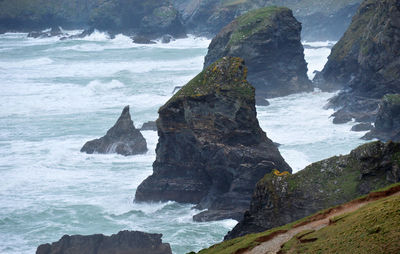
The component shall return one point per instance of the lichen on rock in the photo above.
(211, 149)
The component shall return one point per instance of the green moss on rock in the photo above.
(253, 22)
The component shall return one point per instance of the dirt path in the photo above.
(274, 244)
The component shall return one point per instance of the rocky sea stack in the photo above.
(281, 199)
(123, 138)
(387, 124)
(365, 63)
(132, 242)
(211, 149)
(268, 39)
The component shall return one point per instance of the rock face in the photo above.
(211, 149)
(268, 39)
(322, 20)
(387, 124)
(122, 138)
(132, 242)
(279, 200)
(365, 63)
(151, 18)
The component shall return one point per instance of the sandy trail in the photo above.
(274, 245)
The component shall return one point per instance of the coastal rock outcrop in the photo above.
(268, 39)
(132, 242)
(211, 149)
(280, 199)
(387, 123)
(149, 126)
(122, 138)
(365, 63)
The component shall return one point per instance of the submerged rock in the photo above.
(139, 39)
(365, 63)
(387, 124)
(122, 138)
(278, 200)
(268, 39)
(362, 127)
(132, 242)
(54, 31)
(211, 149)
(149, 126)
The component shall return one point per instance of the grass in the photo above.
(374, 228)
(393, 99)
(254, 22)
(381, 217)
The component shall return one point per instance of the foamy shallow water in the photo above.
(56, 95)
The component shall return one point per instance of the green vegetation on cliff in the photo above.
(253, 22)
(227, 75)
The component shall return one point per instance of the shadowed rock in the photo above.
(211, 149)
(279, 200)
(125, 242)
(268, 39)
(122, 138)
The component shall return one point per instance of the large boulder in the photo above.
(281, 199)
(132, 242)
(268, 39)
(211, 149)
(123, 138)
(365, 63)
(387, 123)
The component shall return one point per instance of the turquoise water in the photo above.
(56, 95)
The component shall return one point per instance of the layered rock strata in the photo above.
(211, 149)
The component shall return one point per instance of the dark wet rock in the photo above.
(122, 138)
(365, 63)
(139, 39)
(166, 38)
(149, 126)
(132, 242)
(387, 123)
(322, 20)
(163, 20)
(54, 31)
(86, 32)
(362, 127)
(278, 200)
(261, 101)
(211, 149)
(268, 39)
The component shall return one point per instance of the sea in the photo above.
(57, 94)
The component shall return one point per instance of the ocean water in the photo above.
(56, 95)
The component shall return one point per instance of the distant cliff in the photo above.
(268, 39)
(279, 200)
(211, 150)
(150, 17)
(365, 63)
(322, 20)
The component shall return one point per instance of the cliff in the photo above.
(211, 150)
(132, 242)
(322, 20)
(268, 39)
(387, 123)
(152, 18)
(278, 200)
(365, 62)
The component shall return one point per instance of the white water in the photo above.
(55, 95)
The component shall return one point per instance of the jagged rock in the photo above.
(211, 149)
(163, 20)
(268, 39)
(82, 35)
(387, 124)
(278, 200)
(365, 63)
(149, 126)
(54, 31)
(122, 138)
(362, 127)
(132, 242)
(166, 38)
(139, 39)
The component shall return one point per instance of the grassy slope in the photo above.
(377, 216)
